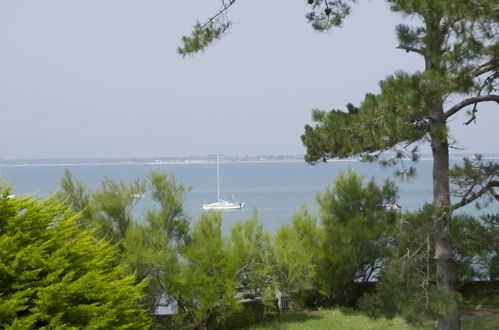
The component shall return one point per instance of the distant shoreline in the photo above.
(256, 160)
(155, 163)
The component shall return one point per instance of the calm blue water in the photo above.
(274, 190)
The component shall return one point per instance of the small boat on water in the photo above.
(221, 204)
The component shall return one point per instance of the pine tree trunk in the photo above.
(446, 274)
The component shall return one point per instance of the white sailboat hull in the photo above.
(223, 205)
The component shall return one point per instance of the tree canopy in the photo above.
(459, 43)
(150, 246)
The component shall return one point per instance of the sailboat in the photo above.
(221, 204)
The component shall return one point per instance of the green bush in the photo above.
(52, 274)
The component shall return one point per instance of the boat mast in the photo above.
(218, 182)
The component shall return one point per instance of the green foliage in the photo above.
(407, 284)
(109, 211)
(327, 14)
(74, 192)
(114, 204)
(459, 43)
(215, 272)
(251, 249)
(397, 115)
(206, 285)
(297, 251)
(202, 36)
(491, 222)
(153, 249)
(53, 275)
(151, 255)
(150, 247)
(319, 264)
(358, 239)
(340, 319)
(473, 248)
(170, 218)
(474, 181)
(358, 230)
(343, 319)
(198, 272)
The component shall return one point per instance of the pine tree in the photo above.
(458, 41)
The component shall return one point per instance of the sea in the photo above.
(273, 191)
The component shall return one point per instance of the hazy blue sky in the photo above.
(101, 78)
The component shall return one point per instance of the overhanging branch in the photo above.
(488, 66)
(411, 49)
(472, 100)
(204, 34)
(222, 10)
(474, 195)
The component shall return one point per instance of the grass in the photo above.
(331, 319)
(480, 323)
(346, 319)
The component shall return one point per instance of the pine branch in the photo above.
(484, 68)
(472, 100)
(468, 198)
(487, 82)
(222, 10)
(204, 34)
(411, 49)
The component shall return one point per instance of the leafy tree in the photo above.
(150, 255)
(458, 42)
(153, 249)
(251, 248)
(473, 248)
(298, 253)
(322, 264)
(113, 206)
(75, 194)
(108, 211)
(170, 217)
(358, 225)
(206, 287)
(492, 223)
(407, 282)
(54, 275)
(151, 246)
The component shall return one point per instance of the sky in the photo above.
(101, 78)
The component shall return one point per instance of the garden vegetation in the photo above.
(86, 259)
